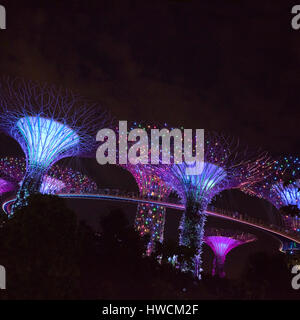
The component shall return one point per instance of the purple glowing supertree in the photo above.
(57, 180)
(224, 167)
(49, 124)
(222, 242)
(282, 189)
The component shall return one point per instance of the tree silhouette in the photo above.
(40, 248)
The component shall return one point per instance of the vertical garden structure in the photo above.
(222, 242)
(150, 218)
(226, 166)
(49, 124)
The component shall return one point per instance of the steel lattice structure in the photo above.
(49, 124)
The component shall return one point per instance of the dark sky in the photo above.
(227, 65)
(222, 65)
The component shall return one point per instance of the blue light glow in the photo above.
(45, 140)
(51, 185)
(200, 185)
(289, 195)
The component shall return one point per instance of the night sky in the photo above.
(230, 66)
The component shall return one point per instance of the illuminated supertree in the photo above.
(282, 189)
(57, 180)
(150, 218)
(222, 242)
(224, 167)
(49, 124)
(67, 180)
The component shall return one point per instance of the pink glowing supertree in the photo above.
(226, 165)
(49, 124)
(222, 242)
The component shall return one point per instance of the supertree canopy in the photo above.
(282, 189)
(67, 180)
(224, 167)
(49, 124)
(222, 242)
(57, 180)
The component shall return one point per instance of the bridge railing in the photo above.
(233, 214)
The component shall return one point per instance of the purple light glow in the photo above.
(222, 242)
(5, 186)
(222, 245)
(51, 185)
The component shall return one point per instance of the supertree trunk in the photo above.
(214, 267)
(31, 184)
(200, 229)
(220, 261)
(218, 267)
(191, 233)
(150, 219)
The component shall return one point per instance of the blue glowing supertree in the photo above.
(222, 242)
(226, 166)
(282, 189)
(49, 124)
